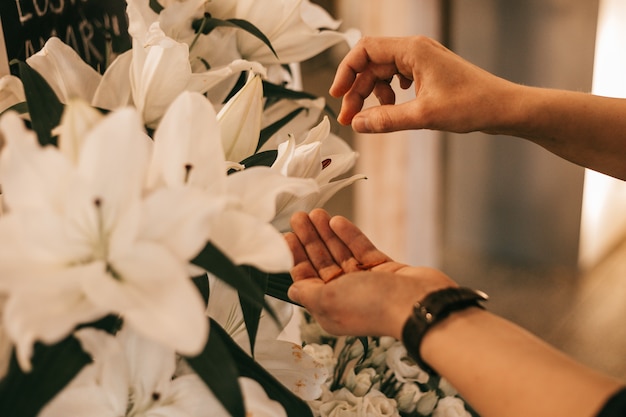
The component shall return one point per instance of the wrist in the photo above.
(435, 308)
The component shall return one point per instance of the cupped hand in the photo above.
(347, 284)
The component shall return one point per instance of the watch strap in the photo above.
(432, 309)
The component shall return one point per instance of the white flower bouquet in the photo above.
(375, 377)
(142, 268)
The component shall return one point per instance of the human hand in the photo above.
(347, 284)
(451, 93)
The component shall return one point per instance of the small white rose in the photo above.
(362, 382)
(447, 388)
(451, 407)
(427, 403)
(345, 404)
(408, 396)
(404, 367)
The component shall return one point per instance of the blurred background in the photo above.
(545, 238)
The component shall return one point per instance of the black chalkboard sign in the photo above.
(88, 26)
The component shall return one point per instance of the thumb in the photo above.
(305, 291)
(386, 118)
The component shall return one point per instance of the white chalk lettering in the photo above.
(23, 17)
(86, 34)
(59, 8)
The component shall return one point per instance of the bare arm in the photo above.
(454, 95)
(501, 369)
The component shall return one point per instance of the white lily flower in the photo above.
(160, 70)
(191, 153)
(11, 92)
(297, 29)
(131, 376)
(69, 76)
(82, 241)
(285, 360)
(308, 117)
(320, 156)
(240, 120)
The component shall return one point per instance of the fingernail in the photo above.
(361, 124)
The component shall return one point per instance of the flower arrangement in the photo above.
(375, 377)
(142, 267)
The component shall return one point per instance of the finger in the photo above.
(361, 247)
(367, 51)
(302, 267)
(364, 84)
(405, 82)
(306, 292)
(384, 93)
(315, 248)
(337, 248)
(388, 118)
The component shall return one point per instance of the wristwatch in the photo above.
(432, 309)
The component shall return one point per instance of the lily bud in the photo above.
(240, 120)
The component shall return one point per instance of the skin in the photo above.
(352, 288)
(454, 95)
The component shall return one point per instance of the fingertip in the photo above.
(297, 218)
(343, 119)
(293, 293)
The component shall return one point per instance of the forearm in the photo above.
(502, 370)
(585, 129)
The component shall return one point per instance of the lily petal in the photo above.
(114, 90)
(248, 241)
(188, 147)
(179, 219)
(293, 367)
(66, 72)
(160, 72)
(11, 92)
(114, 162)
(240, 120)
(78, 118)
(31, 176)
(258, 188)
(155, 296)
(49, 311)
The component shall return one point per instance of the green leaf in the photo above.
(267, 133)
(208, 23)
(202, 284)
(156, 6)
(252, 312)
(265, 158)
(293, 405)
(217, 368)
(214, 261)
(44, 106)
(241, 81)
(21, 108)
(365, 342)
(54, 366)
(278, 285)
(277, 92)
(24, 394)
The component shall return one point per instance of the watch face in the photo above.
(85, 25)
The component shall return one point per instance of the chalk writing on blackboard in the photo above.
(91, 27)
